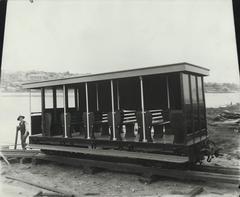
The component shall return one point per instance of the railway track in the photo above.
(216, 169)
(193, 173)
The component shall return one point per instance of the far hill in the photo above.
(221, 87)
(12, 81)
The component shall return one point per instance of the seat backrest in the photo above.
(128, 116)
(101, 117)
(104, 117)
(157, 114)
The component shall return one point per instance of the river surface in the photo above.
(13, 104)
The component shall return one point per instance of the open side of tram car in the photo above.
(158, 110)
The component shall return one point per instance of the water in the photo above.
(221, 99)
(12, 105)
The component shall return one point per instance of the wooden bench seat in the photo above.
(158, 117)
(101, 118)
(123, 119)
(101, 128)
(154, 119)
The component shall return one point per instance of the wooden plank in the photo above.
(19, 153)
(59, 191)
(116, 153)
(16, 138)
(195, 191)
(4, 158)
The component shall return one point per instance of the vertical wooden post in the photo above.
(113, 112)
(168, 101)
(54, 109)
(76, 98)
(192, 105)
(3, 11)
(16, 138)
(43, 110)
(118, 97)
(205, 118)
(54, 98)
(198, 104)
(143, 115)
(184, 122)
(97, 99)
(168, 98)
(87, 109)
(30, 112)
(65, 105)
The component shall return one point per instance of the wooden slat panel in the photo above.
(157, 117)
(155, 110)
(160, 122)
(129, 121)
(155, 114)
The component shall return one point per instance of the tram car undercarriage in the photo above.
(153, 113)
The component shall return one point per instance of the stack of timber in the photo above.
(229, 119)
(17, 154)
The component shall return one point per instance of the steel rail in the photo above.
(179, 174)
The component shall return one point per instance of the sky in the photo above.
(94, 36)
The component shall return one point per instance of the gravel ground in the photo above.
(74, 180)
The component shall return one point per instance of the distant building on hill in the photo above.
(37, 76)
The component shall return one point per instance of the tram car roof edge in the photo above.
(153, 70)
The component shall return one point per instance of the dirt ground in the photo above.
(75, 181)
(225, 137)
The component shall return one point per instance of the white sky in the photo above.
(97, 36)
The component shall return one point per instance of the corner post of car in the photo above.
(113, 112)
(143, 110)
(181, 136)
(191, 102)
(87, 110)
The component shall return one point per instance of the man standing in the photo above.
(23, 128)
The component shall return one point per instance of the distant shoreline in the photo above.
(215, 92)
(36, 94)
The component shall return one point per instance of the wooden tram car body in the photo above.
(158, 111)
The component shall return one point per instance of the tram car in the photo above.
(156, 113)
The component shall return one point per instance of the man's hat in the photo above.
(20, 116)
